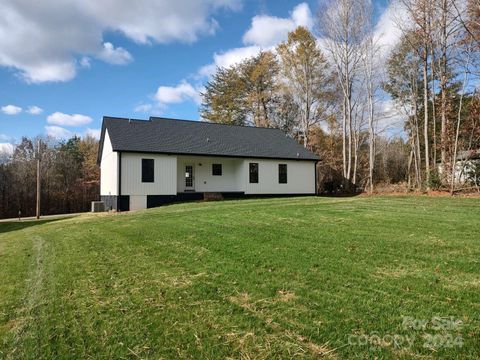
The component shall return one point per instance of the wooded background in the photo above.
(328, 90)
(69, 176)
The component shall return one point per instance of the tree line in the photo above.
(326, 89)
(68, 171)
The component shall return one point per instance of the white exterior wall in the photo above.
(300, 177)
(108, 169)
(165, 170)
(231, 179)
(169, 175)
(235, 175)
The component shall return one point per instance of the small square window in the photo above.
(147, 170)
(282, 173)
(217, 169)
(253, 171)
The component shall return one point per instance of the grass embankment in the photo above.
(270, 278)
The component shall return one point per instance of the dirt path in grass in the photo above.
(32, 298)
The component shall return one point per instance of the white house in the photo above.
(147, 163)
(467, 164)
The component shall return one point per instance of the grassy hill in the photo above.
(303, 277)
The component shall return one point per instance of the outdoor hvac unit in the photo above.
(98, 206)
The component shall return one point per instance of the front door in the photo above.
(189, 178)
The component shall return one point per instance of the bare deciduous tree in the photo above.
(342, 26)
(371, 51)
(307, 78)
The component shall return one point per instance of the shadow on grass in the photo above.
(23, 224)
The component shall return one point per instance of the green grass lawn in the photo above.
(276, 278)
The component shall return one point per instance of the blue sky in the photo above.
(63, 67)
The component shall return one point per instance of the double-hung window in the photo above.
(282, 173)
(147, 170)
(253, 172)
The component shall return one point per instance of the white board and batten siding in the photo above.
(165, 179)
(169, 175)
(231, 179)
(300, 177)
(108, 168)
(235, 175)
(165, 168)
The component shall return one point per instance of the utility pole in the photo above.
(38, 179)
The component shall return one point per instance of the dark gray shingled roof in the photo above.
(171, 136)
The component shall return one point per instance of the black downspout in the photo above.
(315, 169)
(119, 198)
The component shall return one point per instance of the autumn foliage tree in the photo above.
(243, 94)
(306, 76)
(69, 176)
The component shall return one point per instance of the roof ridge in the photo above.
(156, 118)
(123, 118)
(166, 135)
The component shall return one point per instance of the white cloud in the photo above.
(41, 40)
(59, 118)
(115, 56)
(4, 137)
(184, 91)
(7, 148)
(228, 58)
(34, 110)
(58, 132)
(11, 109)
(54, 71)
(167, 95)
(161, 21)
(264, 33)
(391, 117)
(268, 31)
(85, 62)
(387, 33)
(95, 133)
(143, 108)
